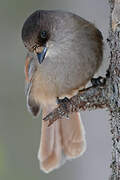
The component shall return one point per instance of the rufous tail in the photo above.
(64, 135)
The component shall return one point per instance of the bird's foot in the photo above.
(98, 81)
(63, 103)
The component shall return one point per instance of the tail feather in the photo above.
(73, 136)
(50, 146)
(64, 135)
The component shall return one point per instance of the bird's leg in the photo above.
(98, 81)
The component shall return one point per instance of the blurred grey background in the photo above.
(19, 132)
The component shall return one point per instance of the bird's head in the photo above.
(42, 30)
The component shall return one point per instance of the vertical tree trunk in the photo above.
(114, 86)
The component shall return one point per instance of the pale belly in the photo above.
(60, 81)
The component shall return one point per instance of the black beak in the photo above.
(41, 55)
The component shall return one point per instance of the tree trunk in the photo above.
(114, 86)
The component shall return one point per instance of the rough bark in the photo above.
(114, 99)
(104, 95)
(91, 98)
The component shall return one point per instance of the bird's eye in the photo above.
(43, 34)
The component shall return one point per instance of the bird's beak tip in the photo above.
(41, 55)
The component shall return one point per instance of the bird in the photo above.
(64, 51)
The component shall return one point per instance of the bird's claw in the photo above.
(63, 103)
(98, 81)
